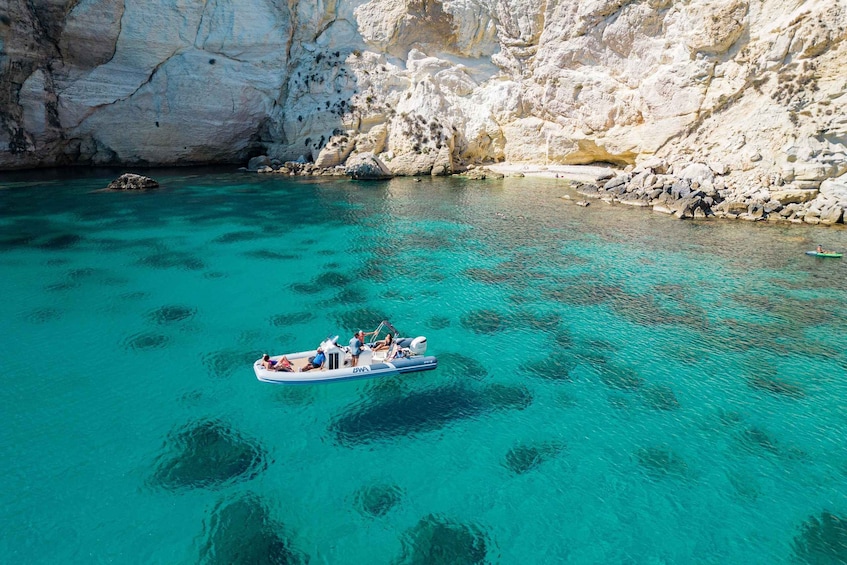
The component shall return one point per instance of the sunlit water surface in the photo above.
(614, 386)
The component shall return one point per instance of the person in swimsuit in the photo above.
(282, 365)
(383, 343)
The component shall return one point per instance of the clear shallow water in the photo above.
(614, 386)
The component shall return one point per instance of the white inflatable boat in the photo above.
(404, 355)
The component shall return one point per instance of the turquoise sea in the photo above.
(614, 386)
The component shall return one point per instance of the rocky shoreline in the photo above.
(684, 190)
(700, 190)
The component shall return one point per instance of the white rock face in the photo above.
(757, 86)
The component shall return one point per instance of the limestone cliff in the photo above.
(429, 85)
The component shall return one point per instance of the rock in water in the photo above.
(130, 181)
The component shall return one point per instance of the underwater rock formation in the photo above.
(522, 458)
(243, 531)
(377, 500)
(823, 540)
(207, 454)
(439, 541)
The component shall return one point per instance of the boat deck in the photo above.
(298, 363)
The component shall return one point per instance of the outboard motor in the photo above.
(418, 346)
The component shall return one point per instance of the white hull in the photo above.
(346, 373)
(404, 355)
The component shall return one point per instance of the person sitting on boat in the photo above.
(383, 343)
(357, 342)
(315, 362)
(820, 248)
(284, 365)
(398, 353)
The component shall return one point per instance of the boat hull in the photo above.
(388, 368)
(832, 255)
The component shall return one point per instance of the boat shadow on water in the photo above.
(423, 411)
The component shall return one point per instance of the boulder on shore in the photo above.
(130, 181)
(259, 162)
(367, 166)
(482, 173)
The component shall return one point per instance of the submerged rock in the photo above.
(822, 540)
(130, 181)
(243, 531)
(207, 454)
(555, 367)
(171, 313)
(461, 366)
(439, 541)
(484, 321)
(775, 385)
(526, 457)
(660, 397)
(661, 461)
(377, 500)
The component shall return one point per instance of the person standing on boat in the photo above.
(356, 345)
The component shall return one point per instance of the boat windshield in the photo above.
(383, 329)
